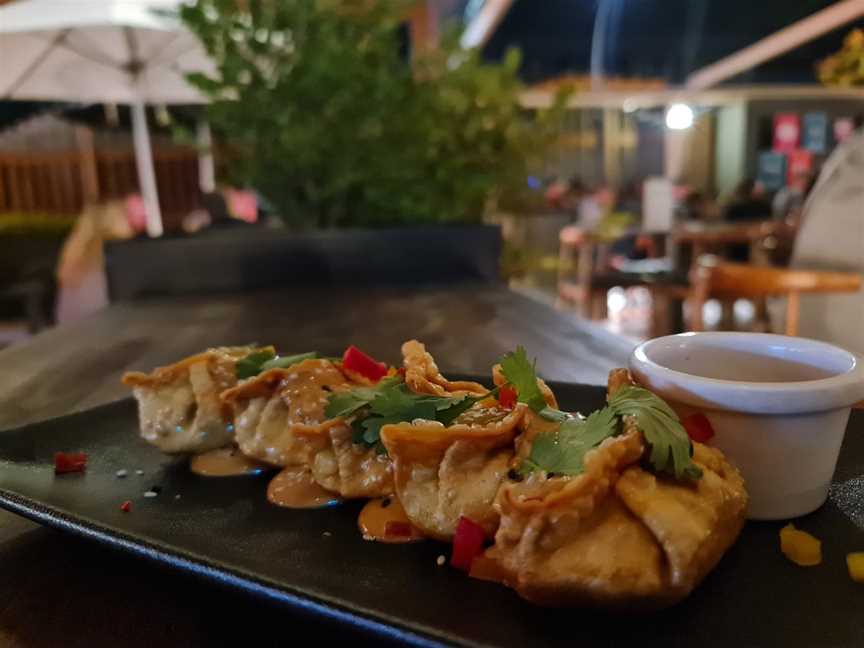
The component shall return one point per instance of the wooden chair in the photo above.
(585, 278)
(711, 278)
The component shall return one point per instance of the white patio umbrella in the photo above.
(93, 51)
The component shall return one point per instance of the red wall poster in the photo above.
(787, 132)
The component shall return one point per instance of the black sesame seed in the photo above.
(385, 502)
(156, 489)
(514, 475)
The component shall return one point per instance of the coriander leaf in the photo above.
(250, 365)
(552, 414)
(357, 431)
(283, 362)
(564, 451)
(522, 375)
(372, 427)
(398, 401)
(670, 446)
(344, 403)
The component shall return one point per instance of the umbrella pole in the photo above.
(146, 171)
(206, 168)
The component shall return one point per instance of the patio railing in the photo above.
(54, 183)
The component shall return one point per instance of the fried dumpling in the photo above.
(178, 405)
(280, 419)
(442, 473)
(617, 535)
(423, 377)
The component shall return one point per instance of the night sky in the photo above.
(658, 38)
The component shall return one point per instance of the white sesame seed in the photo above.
(177, 496)
(120, 474)
(327, 534)
(441, 560)
(150, 494)
(139, 472)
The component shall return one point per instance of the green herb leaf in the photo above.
(251, 364)
(390, 401)
(372, 427)
(345, 403)
(563, 452)
(670, 446)
(552, 414)
(283, 362)
(522, 375)
(398, 401)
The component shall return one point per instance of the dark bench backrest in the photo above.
(248, 258)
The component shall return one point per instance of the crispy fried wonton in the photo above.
(443, 473)
(179, 405)
(616, 535)
(423, 377)
(279, 418)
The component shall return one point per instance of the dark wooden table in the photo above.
(57, 590)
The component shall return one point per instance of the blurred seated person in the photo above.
(698, 207)
(221, 210)
(592, 206)
(748, 203)
(81, 281)
(831, 237)
(789, 200)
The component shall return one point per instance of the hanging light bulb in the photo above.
(679, 116)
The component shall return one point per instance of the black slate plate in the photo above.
(224, 530)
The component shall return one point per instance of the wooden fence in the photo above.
(54, 183)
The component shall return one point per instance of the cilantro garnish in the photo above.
(258, 361)
(521, 373)
(670, 446)
(250, 365)
(283, 362)
(390, 401)
(563, 451)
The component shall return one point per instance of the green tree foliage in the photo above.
(329, 121)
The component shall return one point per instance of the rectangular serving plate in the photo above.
(316, 561)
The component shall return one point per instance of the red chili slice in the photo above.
(355, 360)
(467, 543)
(126, 506)
(507, 397)
(698, 427)
(69, 462)
(395, 528)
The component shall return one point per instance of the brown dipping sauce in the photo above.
(384, 520)
(295, 488)
(225, 462)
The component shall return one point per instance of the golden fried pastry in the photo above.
(179, 406)
(423, 377)
(279, 419)
(616, 535)
(443, 473)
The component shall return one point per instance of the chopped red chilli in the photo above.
(467, 543)
(69, 462)
(355, 360)
(126, 506)
(698, 427)
(507, 397)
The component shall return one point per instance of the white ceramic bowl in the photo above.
(778, 405)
